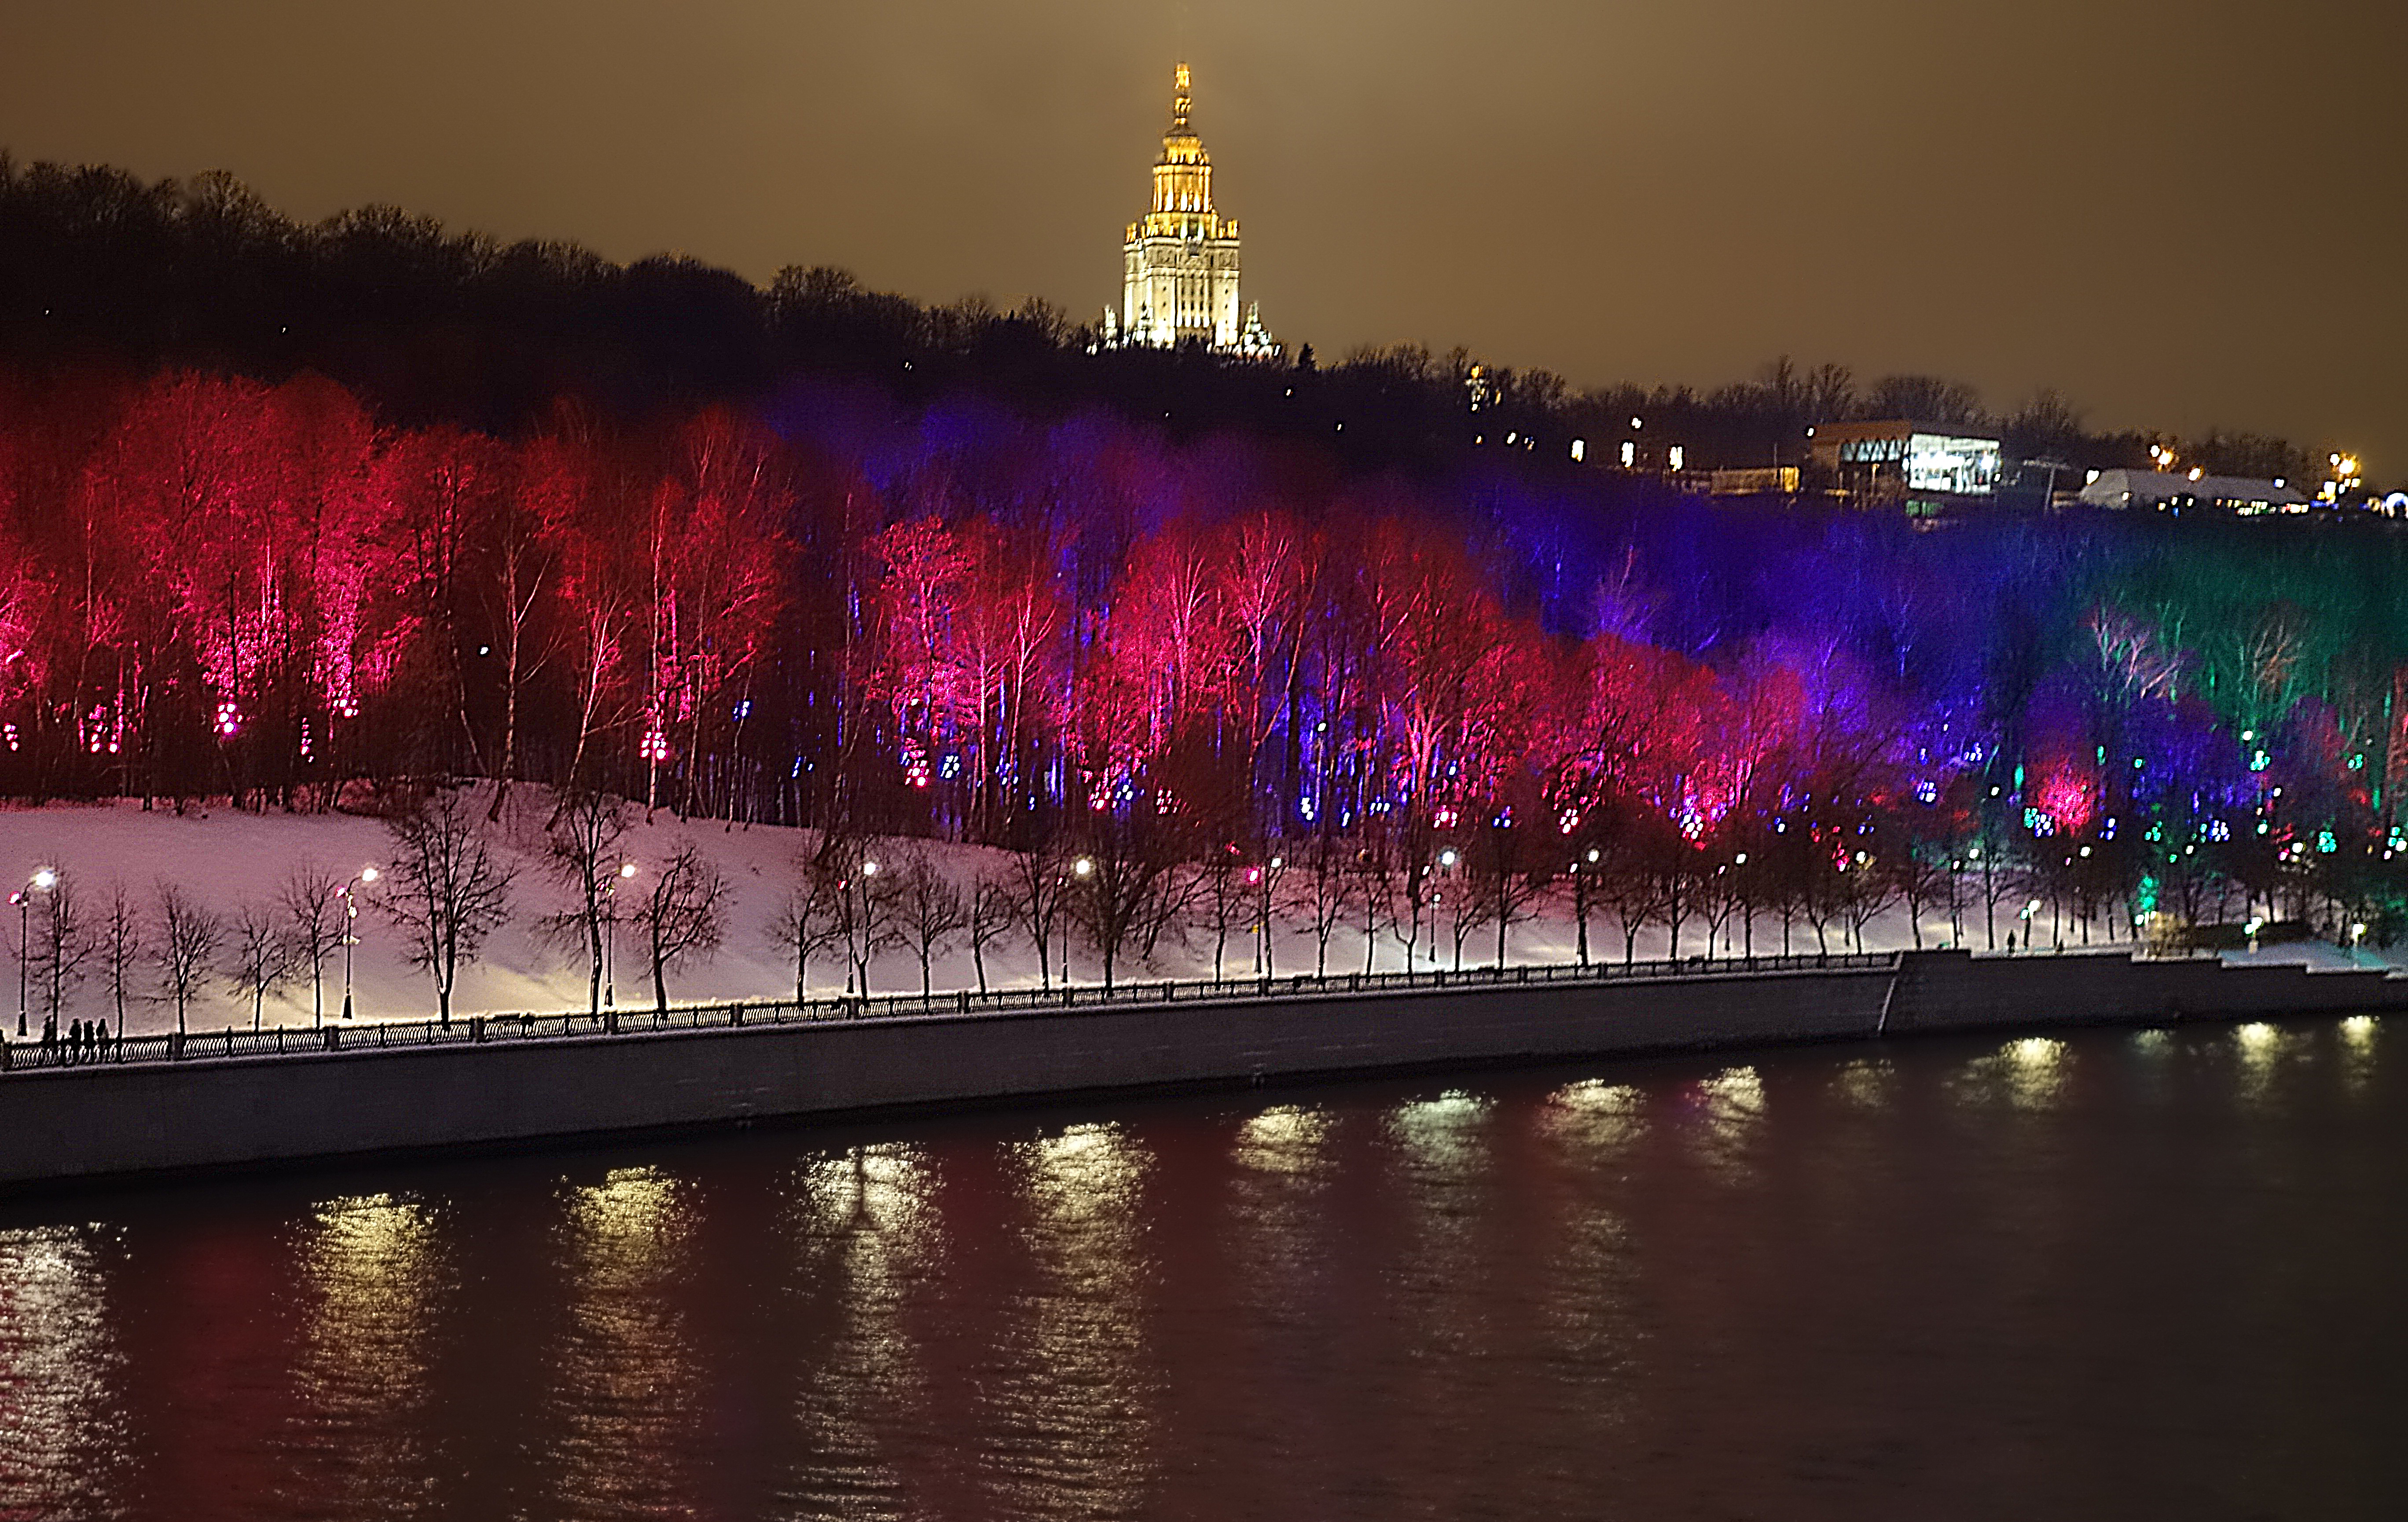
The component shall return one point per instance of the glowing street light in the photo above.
(43, 880)
(349, 894)
(1081, 869)
(610, 932)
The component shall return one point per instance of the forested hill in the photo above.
(428, 326)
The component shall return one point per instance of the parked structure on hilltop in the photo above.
(2168, 492)
(1925, 466)
(1180, 261)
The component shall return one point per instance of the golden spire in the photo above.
(1179, 101)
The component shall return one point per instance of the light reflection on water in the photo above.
(1867, 1083)
(2028, 1073)
(1933, 1278)
(625, 1381)
(1725, 1118)
(1071, 1416)
(374, 1264)
(865, 1236)
(2261, 1049)
(2358, 1035)
(57, 1361)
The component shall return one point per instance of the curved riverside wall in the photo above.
(58, 1126)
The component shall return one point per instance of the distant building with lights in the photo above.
(1922, 466)
(2164, 491)
(1179, 263)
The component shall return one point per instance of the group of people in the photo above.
(86, 1040)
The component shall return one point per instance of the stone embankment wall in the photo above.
(84, 1122)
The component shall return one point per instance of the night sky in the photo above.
(2183, 214)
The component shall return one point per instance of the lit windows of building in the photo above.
(1180, 261)
(1925, 467)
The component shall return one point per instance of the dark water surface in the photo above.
(2154, 1274)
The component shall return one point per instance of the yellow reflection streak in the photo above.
(1593, 1113)
(373, 1263)
(57, 1355)
(1284, 1140)
(2261, 1048)
(2358, 1037)
(2030, 1073)
(1730, 1105)
(1078, 1397)
(1866, 1082)
(626, 1380)
(865, 1230)
(1444, 1133)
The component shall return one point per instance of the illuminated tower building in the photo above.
(1179, 263)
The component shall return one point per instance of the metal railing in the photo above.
(481, 1029)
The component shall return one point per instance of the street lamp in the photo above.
(1083, 868)
(610, 930)
(862, 929)
(349, 893)
(43, 880)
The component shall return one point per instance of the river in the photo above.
(2114, 1274)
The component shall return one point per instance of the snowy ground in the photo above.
(226, 858)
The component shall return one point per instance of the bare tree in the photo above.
(683, 917)
(1511, 871)
(259, 955)
(1320, 897)
(581, 854)
(315, 923)
(1629, 893)
(810, 921)
(1126, 887)
(987, 916)
(1221, 898)
(930, 913)
(1371, 892)
(188, 941)
(867, 905)
(1918, 881)
(447, 889)
(1467, 909)
(1039, 884)
(121, 944)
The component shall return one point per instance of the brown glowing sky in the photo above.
(2182, 212)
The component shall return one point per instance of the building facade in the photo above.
(1179, 263)
(1921, 464)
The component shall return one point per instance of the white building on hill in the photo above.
(1180, 263)
(2166, 490)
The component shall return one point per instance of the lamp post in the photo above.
(351, 896)
(859, 940)
(43, 880)
(1269, 872)
(1083, 868)
(611, 931)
